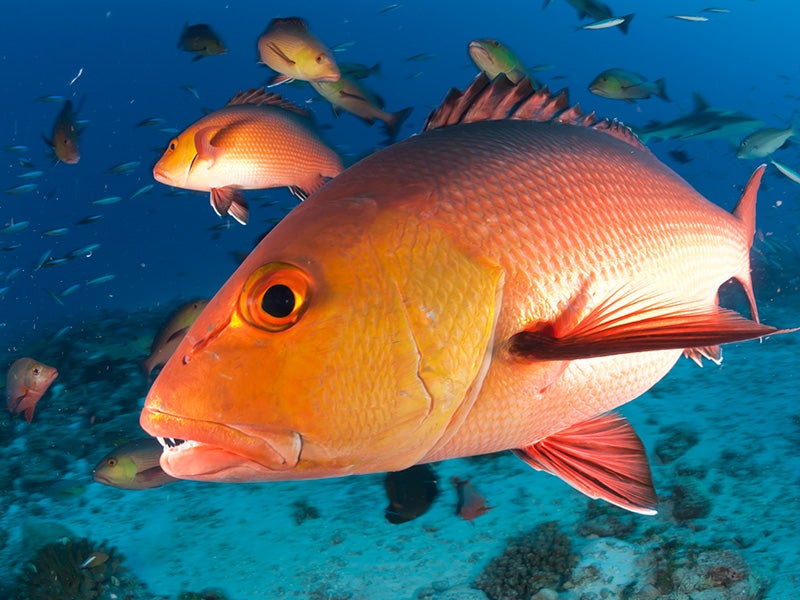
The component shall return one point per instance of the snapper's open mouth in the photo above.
(207, 450)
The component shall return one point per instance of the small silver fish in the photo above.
(30, 175)
(108, 200)
(787, 171)
(691, 18)
(123, 168)
(101, 279)
(142, 190)
(22, 188)
(15, 227)
(56, 232)
(621, 22)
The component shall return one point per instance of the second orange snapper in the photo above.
(501, 281)
(64, 141)
(257, 141)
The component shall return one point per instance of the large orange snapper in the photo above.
(257, 141)
(501, 281)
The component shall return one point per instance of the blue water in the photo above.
(161, 248)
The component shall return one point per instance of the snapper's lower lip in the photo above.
(274, 448)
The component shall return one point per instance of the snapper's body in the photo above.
(484, 286)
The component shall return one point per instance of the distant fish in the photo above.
(142, 190)
(15, 227)
(411, 493)
(84, 251)
(588, 8)
(56, 232)
(691, 18)
(123, 168)
(705, 122)
(64, 140)
(13, 273)
(787, 171)
(288, 47)
(352, 96)
(717, 10)
(422, 56)
(31, 175)
(69, 290)
(18, 149)
(680, 156)
(89, 219)
(170, 335)
(389, 8)
(764, 142)
(106, 200)
(26, 382)
(101, 279)
(201, 40)
(258, 140)
(23, 188)
(12, 246)
(42, 260)
(343, 46)
(151, 122)
(359, 71)
(191, 90)
(471, 504)
(51, 99)
(133, 466)
(622, 22)
(621, 84)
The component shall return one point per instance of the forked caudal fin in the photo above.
(745, 211)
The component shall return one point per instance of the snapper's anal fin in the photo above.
(633, 321)
(602, 458)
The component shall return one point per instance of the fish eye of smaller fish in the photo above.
(321, 59)
(274, 297)
(495, 43)
(111, 462)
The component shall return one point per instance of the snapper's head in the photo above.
(345, 343)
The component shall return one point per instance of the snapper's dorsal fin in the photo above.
(258, 97)
(499, 99)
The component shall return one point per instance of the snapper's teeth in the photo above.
(168, 443)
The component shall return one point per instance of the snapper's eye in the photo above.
(173, 144)
(321, 59)
(274, 297)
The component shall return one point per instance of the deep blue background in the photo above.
(160, 247)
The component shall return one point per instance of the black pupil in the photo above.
(278, 301)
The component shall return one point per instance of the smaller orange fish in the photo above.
(65, 136)
(171, 334)
(257, 141)
(471, 504)
(26, 382)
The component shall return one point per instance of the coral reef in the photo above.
(689, 500)
(540, 558)
(76, 570)
(677, 441)
(302, 511)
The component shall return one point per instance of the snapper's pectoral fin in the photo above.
(633, 322)
(602, 458)
(230, 201)
(206, 151)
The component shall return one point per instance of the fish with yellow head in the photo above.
(501, 281)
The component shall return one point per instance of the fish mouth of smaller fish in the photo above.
(208, 448)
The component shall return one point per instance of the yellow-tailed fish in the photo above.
(621, 84)
(501, 281)
(133, 466)
(493, 57)
(288, 47)
(350, 95)
(257, 141)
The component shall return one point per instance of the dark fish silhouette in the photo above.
(411, 493)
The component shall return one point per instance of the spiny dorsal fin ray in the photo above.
(486, 100)
(258, 97)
